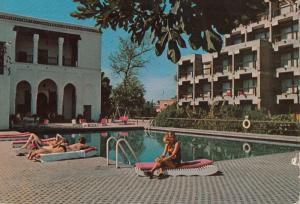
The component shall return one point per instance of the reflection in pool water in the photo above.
(148, 146)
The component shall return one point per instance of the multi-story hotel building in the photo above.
(48, 68)
(258, 65)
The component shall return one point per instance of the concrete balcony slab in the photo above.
(288, 96)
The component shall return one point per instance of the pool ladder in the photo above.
(119, 145)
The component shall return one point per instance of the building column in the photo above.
(194, 85)
(233, 79)
(78, 53)
(34, 93)
(60, 99)
(35, 48)
(60, 51)
(212, 80)
(13, 98)
(246, 35)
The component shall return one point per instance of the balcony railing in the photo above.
(286, 36)
(294, 89)
(186, 75)
(223, 92)
(203, 94)
(24, 57)
(246, 91)
(48, 60)
(287, 64)
(284, 10)
(245, 65)
(186, 96)
(221, 68)
(69, 62)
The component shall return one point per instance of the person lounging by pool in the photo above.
(34, 142)
(56, 149)
(170, 158)
(81, 144)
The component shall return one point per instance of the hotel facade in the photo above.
(48, 68)
(258, 66)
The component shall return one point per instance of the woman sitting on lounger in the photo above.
(173, 160)
(34, 142)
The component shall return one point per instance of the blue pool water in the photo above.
(148, 146)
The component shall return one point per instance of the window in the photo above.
(206, 88)
(225, 64)
(249, 59)
(289, 59)
(261, 35)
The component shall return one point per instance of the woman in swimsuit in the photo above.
(59, 148)
(170, 161)
(34, 142)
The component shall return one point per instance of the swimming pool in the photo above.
(148, 146)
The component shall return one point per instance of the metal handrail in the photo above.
(107, 149)
(117, 151)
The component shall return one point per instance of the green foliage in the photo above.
(227, 118)
(129, 96)
(172, 22)
(148, 109)
(106, 89)
(129, 59)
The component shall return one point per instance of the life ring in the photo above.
(246, 148)
(246, 124)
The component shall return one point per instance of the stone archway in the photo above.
(47, 98)
(69, 102)
(23, 98)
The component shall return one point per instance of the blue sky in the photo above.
(157, 76)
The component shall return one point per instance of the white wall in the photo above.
(87, 74)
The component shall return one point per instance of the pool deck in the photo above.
(263, 179)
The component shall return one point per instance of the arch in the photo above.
(47, 98)
(23, 98)
(69, 101)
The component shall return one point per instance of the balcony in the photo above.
(222, 71)
(223, 95)
(69, 62)
(285, 39)
(246, 68)
(292, 65)
(205, 74)
(289, 93)
(24, 57)
(203, 97)
(284, 11)
(246, 93)
(185, 98)
(185, 76)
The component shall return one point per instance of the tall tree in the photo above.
(172, 23)
(131, 97)
(106, 90)
(129, 59)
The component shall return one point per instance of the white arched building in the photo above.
(48, 67)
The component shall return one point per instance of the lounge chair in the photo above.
(201, 167)
(15, 136)
(89, 152)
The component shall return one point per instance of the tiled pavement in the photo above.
(265, 179)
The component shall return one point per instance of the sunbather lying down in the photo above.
(34, 142)
(81, 144)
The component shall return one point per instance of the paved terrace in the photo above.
(265, 179)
